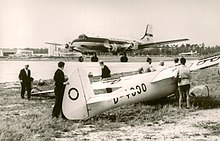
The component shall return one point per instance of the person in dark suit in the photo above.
(25, 79)
(106, 73)
(60, 83)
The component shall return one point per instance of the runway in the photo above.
(45, 69)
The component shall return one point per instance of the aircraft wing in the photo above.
(89, 48)
(56, 44)
(77, 49)
(204, 63)
(42, 92)
(120, 82)
(109, 96)
(193, 65)
(105, 84)
(114, 83)
(151, 45)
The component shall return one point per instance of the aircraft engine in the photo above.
(114, 47)
(106, 44)
(68, 46)
(134, 45)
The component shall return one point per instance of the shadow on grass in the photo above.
(206, 102)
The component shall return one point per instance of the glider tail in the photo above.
(148, 35)
(76, 95)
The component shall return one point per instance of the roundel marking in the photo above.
(73, 94)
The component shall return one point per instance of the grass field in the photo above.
(158, 120)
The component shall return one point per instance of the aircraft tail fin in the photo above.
(148, 35)
(76, 95)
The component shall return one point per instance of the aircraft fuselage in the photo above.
(138, 91)
(97, 44)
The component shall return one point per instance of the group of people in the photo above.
(183, 76)
(60, 83)
(61, 80)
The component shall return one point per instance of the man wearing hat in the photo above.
(25, 79)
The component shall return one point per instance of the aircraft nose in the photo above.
(67, 46)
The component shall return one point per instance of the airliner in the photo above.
(87, 43)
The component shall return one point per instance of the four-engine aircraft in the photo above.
(85, 43)
(80, 102)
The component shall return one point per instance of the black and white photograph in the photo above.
(107, 70)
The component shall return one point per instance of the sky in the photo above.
(31, 23)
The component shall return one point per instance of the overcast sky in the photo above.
(30, 23)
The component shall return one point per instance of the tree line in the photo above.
(166, 50)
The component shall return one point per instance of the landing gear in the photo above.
(81, 59)
(124, 58)
(94, 58)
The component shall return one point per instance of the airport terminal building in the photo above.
(15, 52)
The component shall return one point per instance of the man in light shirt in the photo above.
(147, 67)
(184, 77)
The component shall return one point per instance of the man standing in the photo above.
(177, 64)
(60, 83)
(25, 79)
(106, 73)
(184, 77)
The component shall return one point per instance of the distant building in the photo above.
(8, 52)
(21, 52)
(53, 50)
(1, 53)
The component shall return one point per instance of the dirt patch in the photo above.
(184, 128)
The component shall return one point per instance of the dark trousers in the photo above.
(108, 90)
(57, 109)
(26, 87)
